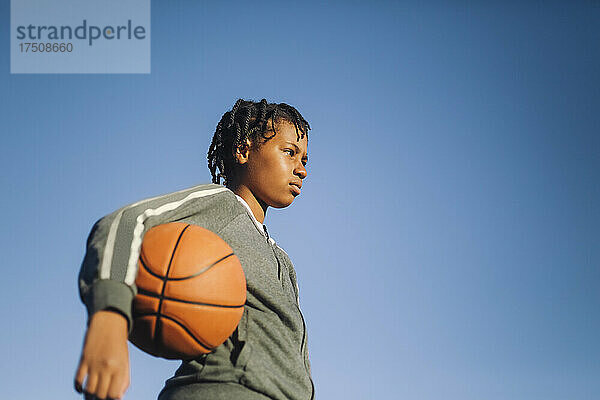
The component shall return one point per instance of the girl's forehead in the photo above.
(287, 131)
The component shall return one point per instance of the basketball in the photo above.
(191, 292)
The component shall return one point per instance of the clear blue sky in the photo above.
(447, 237)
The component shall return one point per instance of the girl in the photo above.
(260, 150)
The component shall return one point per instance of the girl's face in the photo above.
(274, 170)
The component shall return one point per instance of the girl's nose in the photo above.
(300, 171)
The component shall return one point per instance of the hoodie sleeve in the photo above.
(109, 268)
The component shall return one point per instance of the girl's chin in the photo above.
(282, 202)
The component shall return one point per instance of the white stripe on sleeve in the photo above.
(105, 267)
(136, 243)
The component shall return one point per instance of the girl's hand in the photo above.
(104, 358)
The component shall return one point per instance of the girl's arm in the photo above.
(108, 272)
(104, 359)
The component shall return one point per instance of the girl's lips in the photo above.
(295, 189)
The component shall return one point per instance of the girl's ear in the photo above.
(242, 152)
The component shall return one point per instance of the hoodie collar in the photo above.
(259, 226)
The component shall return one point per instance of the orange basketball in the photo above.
(191, 292)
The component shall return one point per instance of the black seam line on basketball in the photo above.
(150, 294)
(203, 270)
(159, 315)
(157, 324)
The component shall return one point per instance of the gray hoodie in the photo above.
(268, 351)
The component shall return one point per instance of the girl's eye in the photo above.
(291, 152)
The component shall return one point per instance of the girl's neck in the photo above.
(259, 209)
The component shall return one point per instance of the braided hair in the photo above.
(248, 120)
